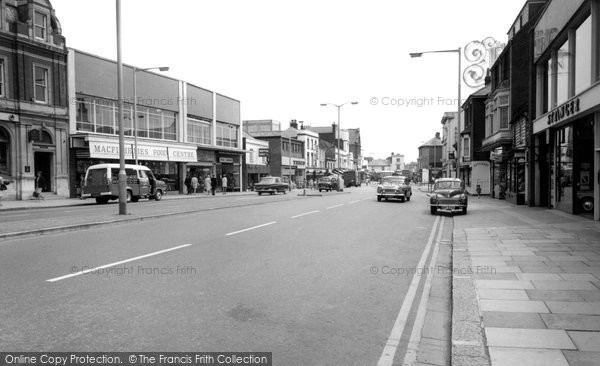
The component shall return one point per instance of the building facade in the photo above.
(566, 115)
(430, 158)
(286, 154)
(34, 103)
(449, 144)
(255, 164)
(180, 129)
(473, 163)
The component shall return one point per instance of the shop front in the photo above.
(167, 161)
(229, 165)
(498, 173)
(254, 173)
(294, 172)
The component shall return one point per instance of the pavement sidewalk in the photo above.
(526, 287)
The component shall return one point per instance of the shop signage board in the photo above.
(565, 110)
(226, 160)
(103, 149)
(263, 152)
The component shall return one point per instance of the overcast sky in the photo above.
(281, 59)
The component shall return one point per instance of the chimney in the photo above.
(294, 124)
(437, 135)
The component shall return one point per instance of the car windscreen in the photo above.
(268, 181)
(324, 180)
(448, 185)
(393, 181)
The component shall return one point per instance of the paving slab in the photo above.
(531, 357)
(586, 341)
(563, 285)
(515, 306)
(555, 295)
(566, 307)
(502, 284)
(499, 319)
(539, 276)
(571, 321)
(528, 338)
(499, 294)
(578, 358)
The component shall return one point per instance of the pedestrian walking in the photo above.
(194, 183)
(207, 185)
(188, 183)
(224, 184)
(213, 184)
(2, 188)
(40, 185)
(478, 190)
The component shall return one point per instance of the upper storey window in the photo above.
(40, 25)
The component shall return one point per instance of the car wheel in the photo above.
(378, 198)
(402, 199)
(386, 199)
(464, 210)
(135, 199)
(129, 196)
(260, 193)
(284, 191)
(587, 204)
(408, 196)
(272, 193)
(433, 210)
(158, 195)
(101, 200)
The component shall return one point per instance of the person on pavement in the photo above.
(224, 184)
(213, 184)
(194, 183)
(207, 185)
(188, 183)
(40, 185)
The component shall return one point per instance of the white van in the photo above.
(102, 183)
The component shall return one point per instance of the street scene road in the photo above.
(308, 278)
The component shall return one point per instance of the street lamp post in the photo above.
(339, 106)
(135, 116)
(459, 52)
(122, 175)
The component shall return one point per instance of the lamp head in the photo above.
(416, 54)
(163, 68)
(323, 104)
(353, 102)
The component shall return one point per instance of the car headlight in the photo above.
(463, 196)
(379, 189)
(434, 198)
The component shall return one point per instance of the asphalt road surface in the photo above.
(315, 280)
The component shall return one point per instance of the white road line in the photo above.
(387, 356)
(353, 202)
(410, 358)
(251, 228)
(116, 263)
(17, 215)
(329, 208)
(304, 214)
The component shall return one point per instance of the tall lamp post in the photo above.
(458, 51)
(122, 175)
(338, 106)
(135, 116)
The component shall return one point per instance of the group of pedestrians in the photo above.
(210, 184)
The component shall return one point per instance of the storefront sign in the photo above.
(564, 111)
(298, 162)
(263, 152)
(100, 149)
(206, 155)
(226, 160)
(497, 157)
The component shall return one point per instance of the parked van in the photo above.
(102, 183)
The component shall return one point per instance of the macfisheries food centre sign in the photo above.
(102, 149)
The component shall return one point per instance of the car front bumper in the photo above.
(449, 207)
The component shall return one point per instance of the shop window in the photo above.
(565, 167)
(40, 25)
(562, 73)
(583, 55)
(41, 84)
(4, 153)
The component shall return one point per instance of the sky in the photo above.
(282, 59)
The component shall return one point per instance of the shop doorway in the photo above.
(43, 162)
(583, 177)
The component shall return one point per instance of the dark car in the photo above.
(271, 185)
(394, 187)
(328, 183)
(448, 195)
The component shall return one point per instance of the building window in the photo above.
(198, 132)
(2, 83)
(227, 135)
(4, 151)
(549, 86)
(502, 111)
(40, 25)
(40, 75)
(583, 55)
(467, 147)
(100, 116)
(562, 73)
